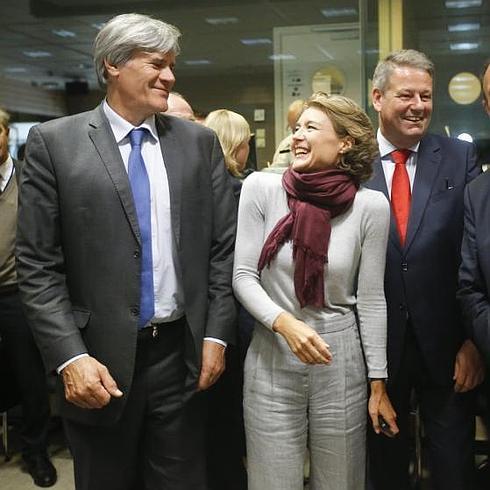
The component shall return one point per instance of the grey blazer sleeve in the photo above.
(221, 310)
(40, 261)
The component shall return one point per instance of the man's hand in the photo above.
(213, 364)
(469, 369)
(88, 383)
(380, 406)
(303, 341)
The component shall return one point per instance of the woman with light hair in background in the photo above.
(226, 444)
(309, 266)
(233, 132)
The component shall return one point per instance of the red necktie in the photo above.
(400, 192)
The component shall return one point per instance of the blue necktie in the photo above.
(140, 186)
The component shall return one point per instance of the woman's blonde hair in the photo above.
(349, 120)
(232, 130)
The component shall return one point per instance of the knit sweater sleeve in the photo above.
(250, 239)
(371, 303)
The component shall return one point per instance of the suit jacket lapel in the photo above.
(172, 158)
(429, 157)
(103, 139)
(378, 183)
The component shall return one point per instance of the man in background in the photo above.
(16, 337)
(474, 273)
(125, 250)
(282, 157)
(429, 351)
(179, 107)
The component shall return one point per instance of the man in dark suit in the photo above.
(424, 176)
(19, 348)
(474, 273)
(125, 242)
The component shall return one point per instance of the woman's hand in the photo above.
(304, 342)
(380, 407)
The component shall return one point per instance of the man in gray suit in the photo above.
(125, 241)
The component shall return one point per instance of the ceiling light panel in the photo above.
(462, 4)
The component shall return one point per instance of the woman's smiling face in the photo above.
(316, 146)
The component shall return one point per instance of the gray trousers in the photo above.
(289, 406)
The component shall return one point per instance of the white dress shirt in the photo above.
(385, 149)
(7, 171)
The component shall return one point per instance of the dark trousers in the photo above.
(448, 420)
(158, 442)
(28, 371)
(225, 437)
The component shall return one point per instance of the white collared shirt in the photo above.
(7, 171)
(169, 297)
(385, 149)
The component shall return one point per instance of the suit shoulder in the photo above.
(447, 143)
(480, 184)
(73, 121)
(183, 126)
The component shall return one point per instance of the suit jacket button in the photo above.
(404, 267)
(136, 254)
(135, 311)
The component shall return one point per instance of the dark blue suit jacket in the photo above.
(474, 273)
(421, 277)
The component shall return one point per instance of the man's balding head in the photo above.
(179, 107)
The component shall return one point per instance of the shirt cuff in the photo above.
(218, 341)
(63, 366)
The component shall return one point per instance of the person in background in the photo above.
(309, 266)
(424, 176)
(179, 107)
(233, 132)
(124, 251)
(226, 444)
(282, 157)
(23, 354)
(474, 272)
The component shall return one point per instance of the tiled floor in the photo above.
(12, 477)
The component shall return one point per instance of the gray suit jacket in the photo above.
(78, 245)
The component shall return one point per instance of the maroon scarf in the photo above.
(313, 199)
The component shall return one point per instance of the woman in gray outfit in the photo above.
(309, 266)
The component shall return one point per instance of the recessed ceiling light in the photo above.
(462, 4)
(282, 57)
(15, 69)
(215, 21)
(465, 137)
(463, 46)
(343, 12)
(37, 54)
(256, 41)
(464, 27)
(63, 33)
(197, 62)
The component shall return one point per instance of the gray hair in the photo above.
(4, 118)
(125, 34)
(403, 57)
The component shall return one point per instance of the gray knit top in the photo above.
(354, 273)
